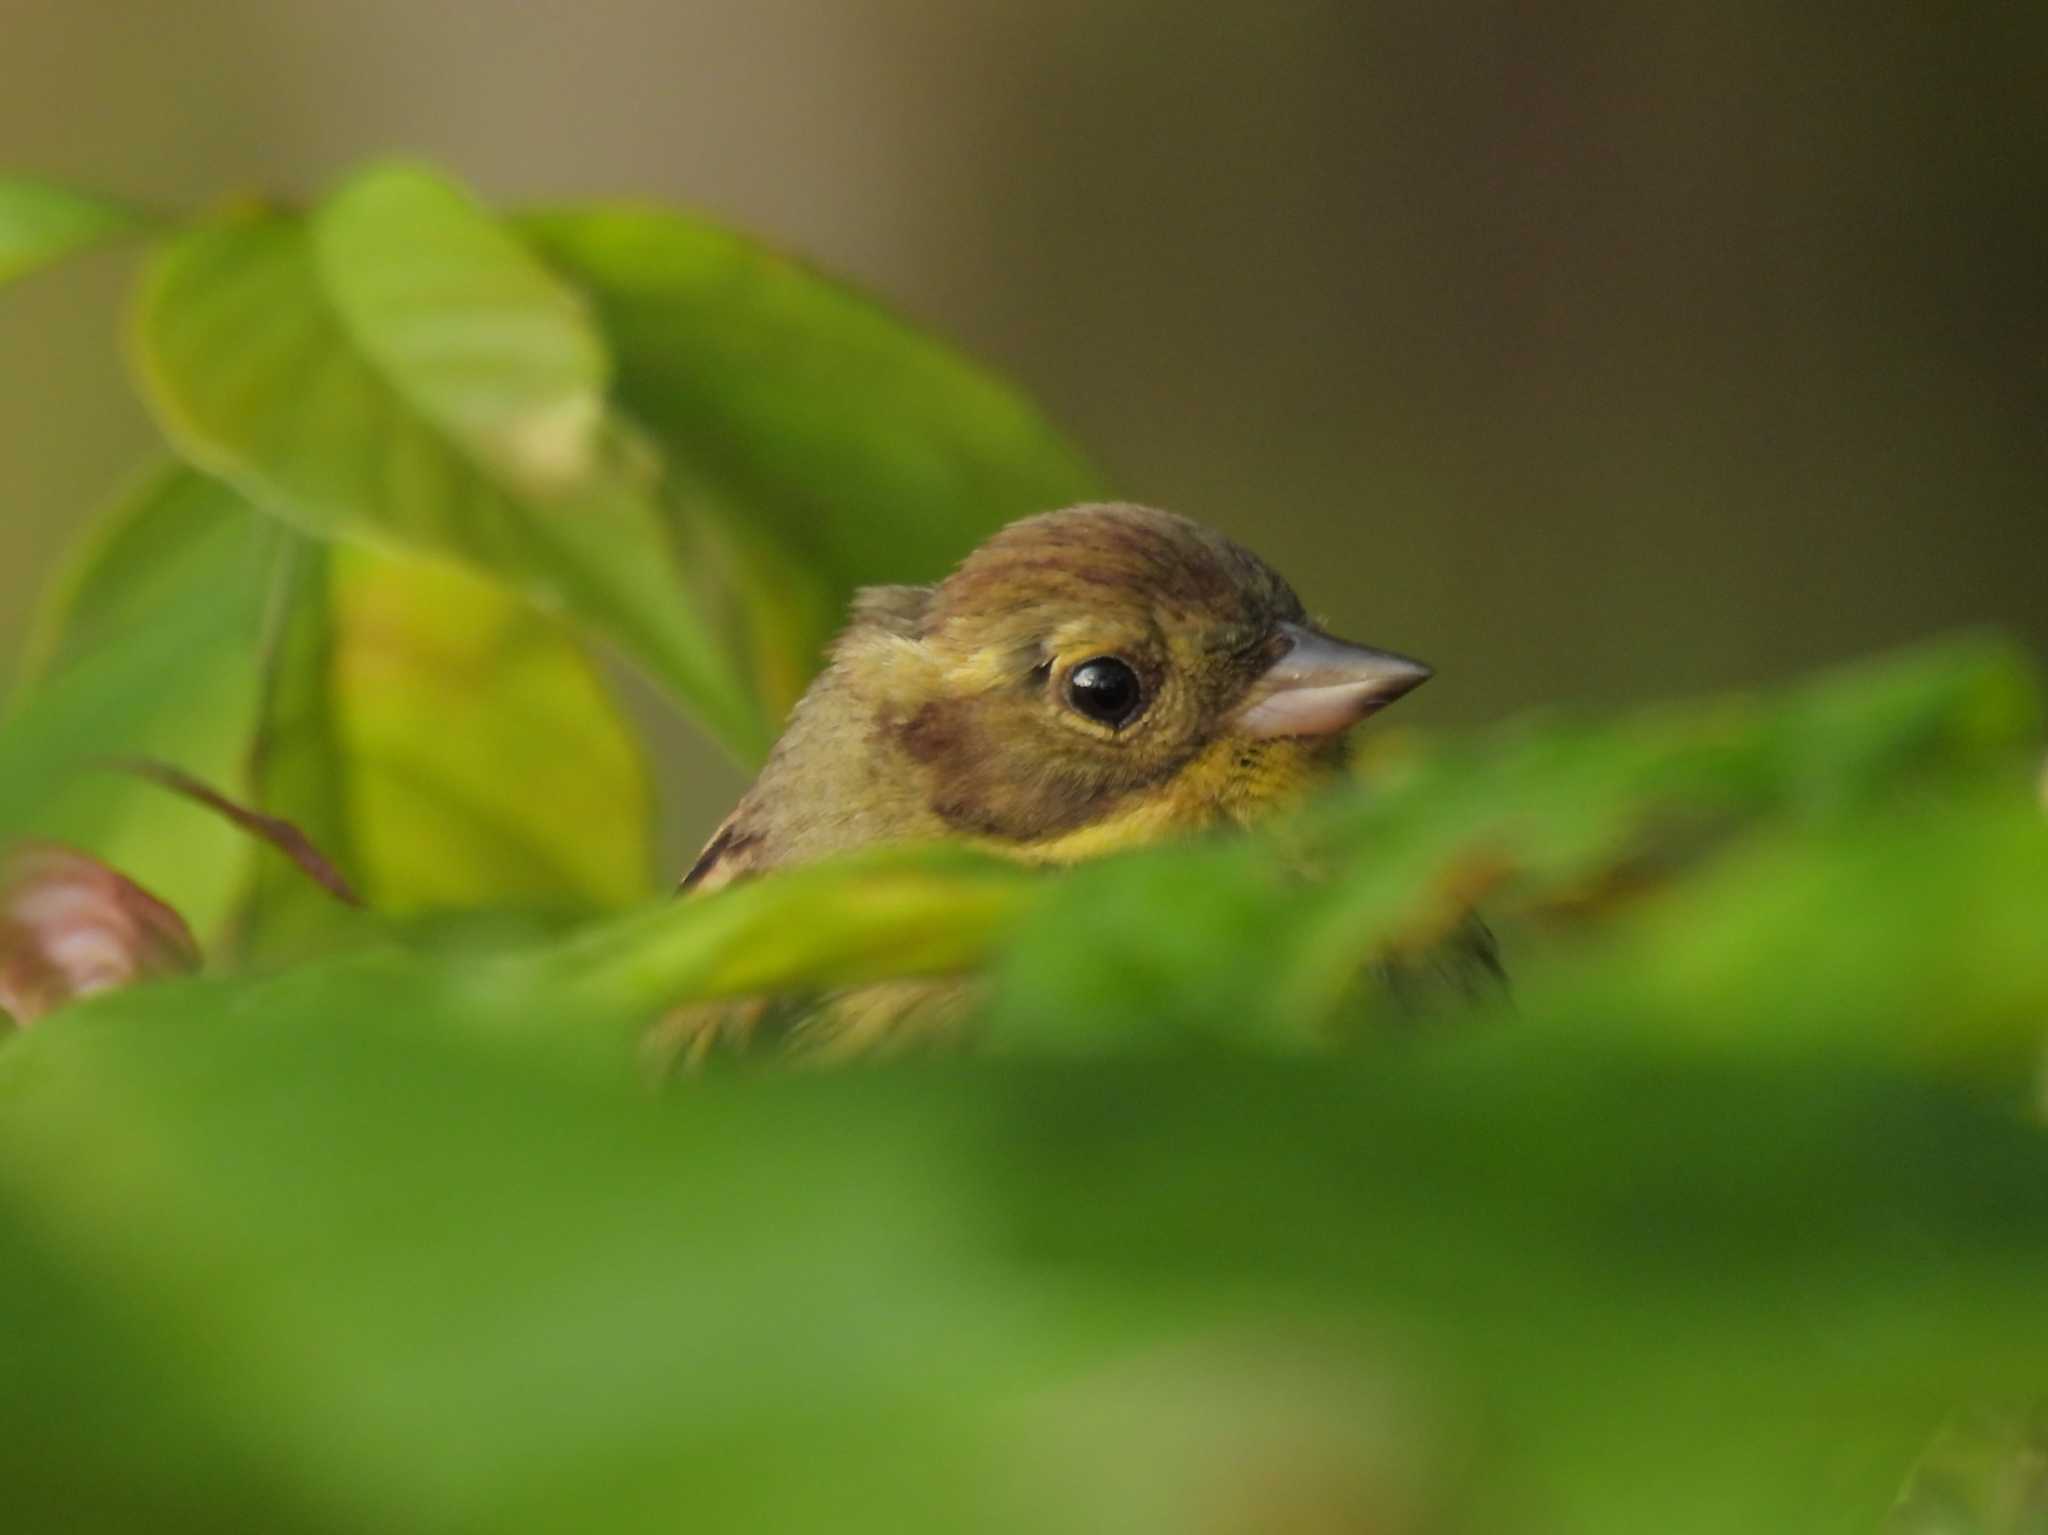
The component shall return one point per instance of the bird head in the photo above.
(1105, 675)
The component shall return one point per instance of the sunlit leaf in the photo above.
(41, 223)
(834, 445)
(474, 332)
(259, 378)
(149, 645)
(449, 745)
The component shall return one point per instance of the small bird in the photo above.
(1087, 681)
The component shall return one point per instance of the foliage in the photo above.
(1242, 1218)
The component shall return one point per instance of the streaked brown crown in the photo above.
(1113, 558)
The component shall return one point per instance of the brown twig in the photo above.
(280, 834)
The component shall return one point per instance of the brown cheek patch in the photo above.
(934, 734)
(978, 783)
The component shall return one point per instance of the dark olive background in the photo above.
(1593, 355)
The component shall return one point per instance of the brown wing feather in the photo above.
(724, 859)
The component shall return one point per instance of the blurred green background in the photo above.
(1594, 355)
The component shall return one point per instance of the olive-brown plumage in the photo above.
(1087, 680)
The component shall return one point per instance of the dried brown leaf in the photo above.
(70, 926)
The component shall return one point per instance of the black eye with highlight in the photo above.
(1107, 691)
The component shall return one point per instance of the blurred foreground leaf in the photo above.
(1743, 868)
(892, 913)
(439, 1286)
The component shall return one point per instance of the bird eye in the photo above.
(1106, 690)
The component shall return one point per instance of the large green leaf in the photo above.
(833, 445)
(450, 746)
(440, 406)
(149, 645)
(89, 1373)
(431, 1284)
(41, 223)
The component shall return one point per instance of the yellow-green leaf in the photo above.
(478, 336)
(258, 378)
(451, 747)
(170, 586)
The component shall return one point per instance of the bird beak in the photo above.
(1322, 686)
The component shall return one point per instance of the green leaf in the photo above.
(148, 645)
(41, 224)
(1780, 866)
(258, 376)
(452, 747)
(430, 1283)
(1921, 937)
(895, 912)
(832, 445)
(103, 1429)
(470, 329)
